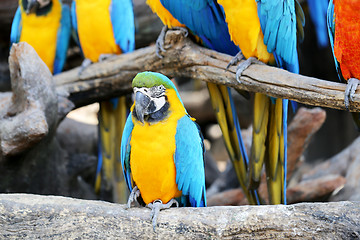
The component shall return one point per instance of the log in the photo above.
(31, 111)
(186, 59)
(29, 216)
(300, 131)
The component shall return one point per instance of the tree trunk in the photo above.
(49, 217)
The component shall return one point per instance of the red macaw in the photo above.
(344, 32)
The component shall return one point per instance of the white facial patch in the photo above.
(156, 96)
(159, 102)
(43, 3)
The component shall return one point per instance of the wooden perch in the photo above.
(43, 217)
(186, 59)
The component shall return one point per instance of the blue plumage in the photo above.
(190, 175)
(278, 23)
(122, 19)
(214, 33)
(331, 33)
(16, 27)
(125, 151)
(63, 38)
(317, 10)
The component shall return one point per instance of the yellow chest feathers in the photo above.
(41, 32)
(95, 29)
(152, 154)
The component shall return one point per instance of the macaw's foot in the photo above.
(156, 206)
(135, 193)
(87, 62)
(244, 65)
(350, 91)
(160, 41)
(239, 56)
(106, 56)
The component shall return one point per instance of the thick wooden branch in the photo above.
(42, 217)
(186, 59)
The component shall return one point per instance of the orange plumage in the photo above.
(347, 37)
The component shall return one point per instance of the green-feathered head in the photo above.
(151, 79)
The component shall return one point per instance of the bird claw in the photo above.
(135, 193)
(350, 91)
(244, 65)
(160, 41)
(105, 56)
(238, 57)
(156, 206)
(87, 62)
(184, 31)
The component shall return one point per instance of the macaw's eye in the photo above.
(161, 88)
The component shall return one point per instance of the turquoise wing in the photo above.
(280, 22)
(16, 27)
(331, 31)
(74, 32)
(206, 19)
(189, 163)
(317, 10)
(63, 38)
(125, 150)
(122, 18)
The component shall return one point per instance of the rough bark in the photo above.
(300, 131)
(33, 216)
(186, 59)
(27, 115)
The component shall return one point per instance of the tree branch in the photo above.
(186, 59)
(35, 216)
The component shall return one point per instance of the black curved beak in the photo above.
(142, 102)
(32, 6)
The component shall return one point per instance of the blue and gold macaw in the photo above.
(266, 32)
(103, 28)
(205, 18)
(162, 151)
(46, 26)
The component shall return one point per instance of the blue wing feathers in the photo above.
(74, 32)
(285, 114)
(317, 10)
(331, 32)
(278, 23)
(238, 129)
(125, 150)
(206, 19)
(63, 38)
(122, 18)
(16, 27)
(189, 162)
